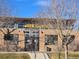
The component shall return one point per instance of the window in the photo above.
(10, 36)
(51, 39)
(49, 49)
(15, 37)
(68, 39)
(20, 25)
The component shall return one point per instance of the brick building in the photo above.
(34, 35)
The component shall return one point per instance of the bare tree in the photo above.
(60, 10)
(6, 20)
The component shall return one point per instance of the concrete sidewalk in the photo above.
(38, 55)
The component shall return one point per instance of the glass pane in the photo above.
(51, 39)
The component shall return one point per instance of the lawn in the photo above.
(71, 55)
(14, 56)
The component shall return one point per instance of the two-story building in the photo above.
(37, 34)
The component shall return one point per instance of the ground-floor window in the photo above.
(11, 37)
(51, 39)
(11, 42)
(67, 39)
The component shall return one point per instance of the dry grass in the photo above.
(14, 56)
(71, 55)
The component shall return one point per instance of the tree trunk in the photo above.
(59, 54)
(66, 51)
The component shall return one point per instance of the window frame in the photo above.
(51, 43)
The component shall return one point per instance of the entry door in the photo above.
(32, 41)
